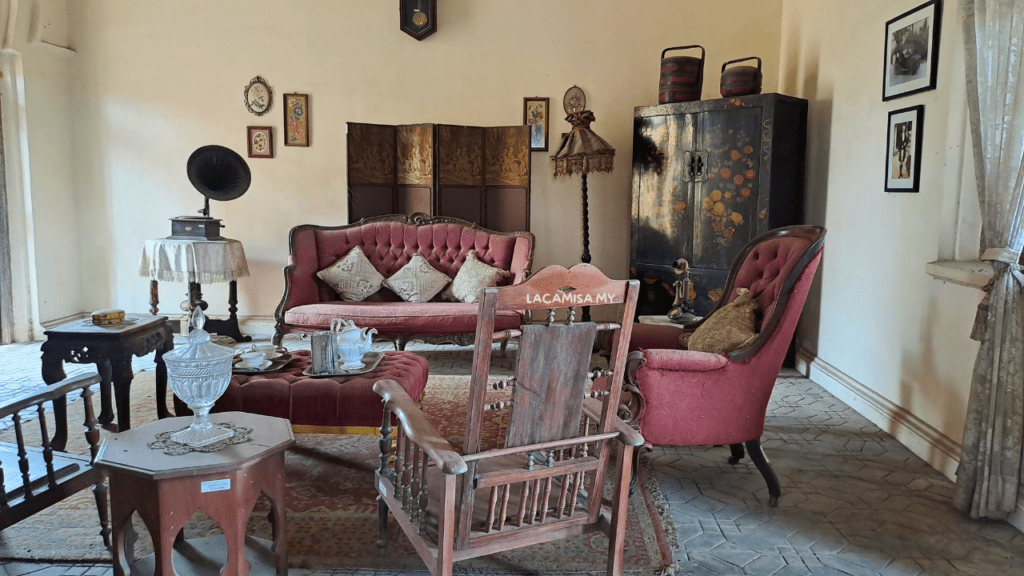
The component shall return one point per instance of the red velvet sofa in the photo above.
(309, 304)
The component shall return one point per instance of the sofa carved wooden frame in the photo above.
(416, 219)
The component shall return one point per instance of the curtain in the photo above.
(988, 482)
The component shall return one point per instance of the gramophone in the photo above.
(218, 173)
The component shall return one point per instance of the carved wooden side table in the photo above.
(111, 348)
(197, 262)
(166, 489)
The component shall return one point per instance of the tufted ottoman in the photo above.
(338, 405)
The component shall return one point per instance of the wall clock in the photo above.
(418, 17)
(258, 96)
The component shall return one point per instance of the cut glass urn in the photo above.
(199, 373)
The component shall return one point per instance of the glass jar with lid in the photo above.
(198, 373)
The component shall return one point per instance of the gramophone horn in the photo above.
(219, 173)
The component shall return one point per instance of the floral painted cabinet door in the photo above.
(709, 176)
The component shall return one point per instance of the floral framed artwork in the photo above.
(296, 119)
(535, 115)
(903, 151)
(260, 141)
(912, 51)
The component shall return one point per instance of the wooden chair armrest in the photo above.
(628, 436)
(418, 429)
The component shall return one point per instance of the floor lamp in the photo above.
(582, 151)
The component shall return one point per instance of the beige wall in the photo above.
(879, 331)
(156, 80)
(37, 116)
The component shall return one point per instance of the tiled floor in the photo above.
(855, 501)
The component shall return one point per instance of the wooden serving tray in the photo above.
(370, 361)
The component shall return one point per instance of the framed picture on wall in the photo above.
(912, 51)
(296, 119)
(260, 141)
(903, 151)
(535, 115)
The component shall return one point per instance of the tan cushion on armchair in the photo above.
(728, 329)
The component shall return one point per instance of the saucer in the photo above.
(262, 366)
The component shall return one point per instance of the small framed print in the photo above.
(260, 141)
(535, 115)
(296, 119)
(912, 51)
(903, 152)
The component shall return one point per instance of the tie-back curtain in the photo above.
(989, 476)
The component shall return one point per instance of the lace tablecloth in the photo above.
(186, 260)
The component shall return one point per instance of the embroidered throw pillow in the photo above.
(353, 277)
(729, 328)
(417, 281)
(472, 278)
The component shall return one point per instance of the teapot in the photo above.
(350, 356)
(347, 335)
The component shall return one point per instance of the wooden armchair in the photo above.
(32, 477)
(543, 481)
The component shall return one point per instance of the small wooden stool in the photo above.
(166, 490)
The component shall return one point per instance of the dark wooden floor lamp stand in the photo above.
(583, 151)
(585, 258)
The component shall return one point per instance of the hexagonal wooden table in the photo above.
(166, 490)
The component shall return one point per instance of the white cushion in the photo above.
(417, 281)
(472, 278)
(353, 277)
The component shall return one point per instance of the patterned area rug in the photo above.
(332, 511)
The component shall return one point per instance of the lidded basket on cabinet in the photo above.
(682, 77)
(741, 80)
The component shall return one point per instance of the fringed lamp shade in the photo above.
(582, 151)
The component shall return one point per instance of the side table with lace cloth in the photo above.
(197, 262)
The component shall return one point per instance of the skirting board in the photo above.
(931, 445)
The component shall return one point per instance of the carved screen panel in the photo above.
(371, 154)
(412, 199)
(469, 172)
(371, 170)
(462, 202)
(415, 156)
(507, 155)
(460, 156)
(507, 209)
(367, 201)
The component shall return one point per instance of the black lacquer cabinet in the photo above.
(709, 176)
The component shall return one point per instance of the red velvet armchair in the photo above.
(688, 398)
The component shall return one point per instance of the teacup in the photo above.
(268, 350)
(251, 360)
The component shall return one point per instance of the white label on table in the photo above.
(216, 485)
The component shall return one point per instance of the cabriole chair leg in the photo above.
(761, 461)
